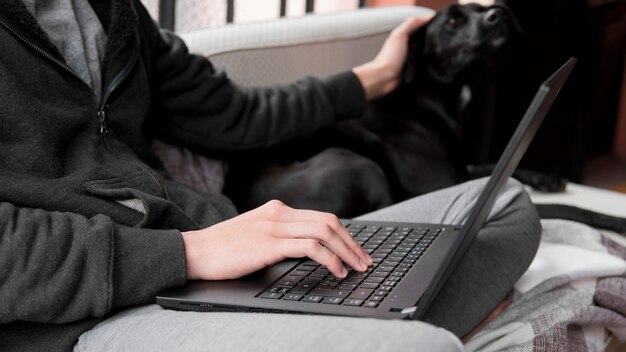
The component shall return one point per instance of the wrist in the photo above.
(376, 78)
(192, 255)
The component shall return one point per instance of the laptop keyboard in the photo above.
(393, 250)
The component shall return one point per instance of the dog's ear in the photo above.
(515, 25)
(415, 55)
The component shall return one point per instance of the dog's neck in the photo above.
(444, 98)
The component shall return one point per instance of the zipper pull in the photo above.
(103, 123)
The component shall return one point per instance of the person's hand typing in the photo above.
(267, 235)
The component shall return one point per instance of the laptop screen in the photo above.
(509, 160)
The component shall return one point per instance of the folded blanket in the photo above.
(572, 293)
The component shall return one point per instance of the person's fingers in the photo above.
(322, 233)
(339, 229)
(412, 23)
(278, 211)
(297, 248)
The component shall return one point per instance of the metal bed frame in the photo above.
(167, 10)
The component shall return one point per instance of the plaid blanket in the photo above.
(572, 294)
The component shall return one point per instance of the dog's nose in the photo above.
(492, 16)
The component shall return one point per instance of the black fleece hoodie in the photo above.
(70, 253)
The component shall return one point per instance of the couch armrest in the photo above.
(287, 49)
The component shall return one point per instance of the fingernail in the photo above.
(344, 272)
(363, 264)
(367, 259)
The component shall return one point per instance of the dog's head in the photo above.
(458, 39)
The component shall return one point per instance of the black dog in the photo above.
(406, 144)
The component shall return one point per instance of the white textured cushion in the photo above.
(284, 50)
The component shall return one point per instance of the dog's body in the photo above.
(406, 144)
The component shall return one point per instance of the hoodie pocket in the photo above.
(140, 194)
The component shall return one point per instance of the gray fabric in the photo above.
(504, 248)
(75, 29)
(153, 329)
(194, 170)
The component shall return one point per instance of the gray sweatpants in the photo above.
(501, 253)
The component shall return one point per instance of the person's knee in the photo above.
(517, 230)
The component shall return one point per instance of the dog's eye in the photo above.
(454, 21)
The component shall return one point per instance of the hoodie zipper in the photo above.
(36, 47)
(110, 88)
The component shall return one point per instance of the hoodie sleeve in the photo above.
(201, 108)
(59, 267)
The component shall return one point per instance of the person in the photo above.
(92, 224)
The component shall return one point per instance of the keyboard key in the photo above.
(299, 273)
(305, 286)
(352, 280)
(279, 289)
(377, 298)
(324, 287)
(361, 293)
(293, 297)
(371, 304)
(392, 262)
(395, 276)
(353, 302)
(375, 279)
(332, 300)
(312, 299)
(306, 267)
(322, 271)
(358, 275)
(338, 293)
(371, 285)
(287, 283)
(347, 286)
(381, 274)
(272, 295)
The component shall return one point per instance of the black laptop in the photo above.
(412, 261)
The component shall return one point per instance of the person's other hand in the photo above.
(267, 235)
(383, 74)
